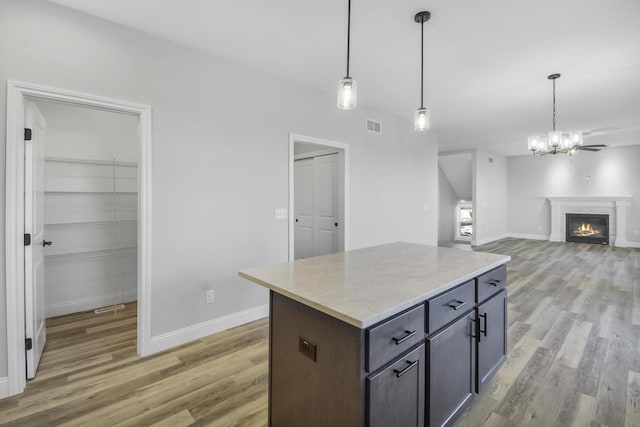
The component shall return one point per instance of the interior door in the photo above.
(35, 326)
(303, 207)
(325, 209)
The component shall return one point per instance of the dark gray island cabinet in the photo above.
(393, 335)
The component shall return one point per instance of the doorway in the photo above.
(86, 162)
(23, 303)
(318, 200)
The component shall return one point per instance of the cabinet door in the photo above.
(450, 379)
(492, 337)
(395, 395)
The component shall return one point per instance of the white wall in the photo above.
(614, 171)
(85, 133)
(489, 197)
(220, 155)
(446, 208)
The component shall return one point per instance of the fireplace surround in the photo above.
(614, 206)
(587, 228)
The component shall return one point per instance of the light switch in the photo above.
(281, 213)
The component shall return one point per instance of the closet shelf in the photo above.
(89, 223)
(103, 253)
(109, 193)
(92, 162)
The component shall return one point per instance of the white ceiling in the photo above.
(486, 62)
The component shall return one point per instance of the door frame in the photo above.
(17, 92)
(293, 138)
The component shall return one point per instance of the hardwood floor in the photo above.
(574, 338)
(90, 374)
(574, 357)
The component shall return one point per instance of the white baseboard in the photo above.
(4, 387)
(488, 240)
(528, 236)
(91, 303)
(633, 244)
(190, 333)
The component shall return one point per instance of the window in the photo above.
(464, 221)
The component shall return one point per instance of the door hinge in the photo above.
(27, 239)
(28, 344)
(27, 134)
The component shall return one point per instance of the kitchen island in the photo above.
(394, 335)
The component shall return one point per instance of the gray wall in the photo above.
(489, 197)
(614, 171)
(446, 209)
(220, 155)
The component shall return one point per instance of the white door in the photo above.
(35, 327)
(303, 201)
(316, 205)
(325, 206)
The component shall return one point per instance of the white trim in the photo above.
(528, 236)
(488, 240)
(210, 327)
(4, 387)
(633, 244)
(614, 206)
(90, 303)
(293, 138)
(14, 215)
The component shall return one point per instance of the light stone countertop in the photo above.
(364, 286)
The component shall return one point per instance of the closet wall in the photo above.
(90, 208)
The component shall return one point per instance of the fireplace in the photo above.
(588, 228)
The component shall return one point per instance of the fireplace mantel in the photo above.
(615, 207)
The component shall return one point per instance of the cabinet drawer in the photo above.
(393, 337)
(450, 305)
(491, 283)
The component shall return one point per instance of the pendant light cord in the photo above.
(422, 64)
(554, 105)
(348, 35)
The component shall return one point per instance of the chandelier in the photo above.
(557, 141)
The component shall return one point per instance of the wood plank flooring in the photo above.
(574, 357)
(574, 338)
(90, 375)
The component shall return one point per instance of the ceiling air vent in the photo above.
(373, 126)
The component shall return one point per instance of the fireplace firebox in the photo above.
(588, 228)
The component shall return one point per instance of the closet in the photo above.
(90, 209)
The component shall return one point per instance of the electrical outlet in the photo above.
(307, 348)
(209, 296)
(635, 233)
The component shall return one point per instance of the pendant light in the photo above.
(423, 115)
(347, 87)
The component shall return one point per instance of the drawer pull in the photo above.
(457, 304)
(494, 282)
(405, 370)
(484, 316)
(408, 335)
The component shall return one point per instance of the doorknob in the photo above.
(336, 224)
(45, 243)
(296, 219)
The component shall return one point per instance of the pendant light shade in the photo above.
(347, 87)
(347, 93)
(422, 119)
